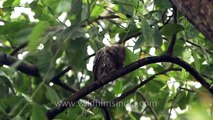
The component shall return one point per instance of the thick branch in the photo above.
(24, 67)
(99, 83)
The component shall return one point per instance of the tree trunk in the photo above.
(199, 13)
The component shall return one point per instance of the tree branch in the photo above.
(32, 70)
(100, 18)
(173, 40)
(99, 83)
(24, 67)
(172, 104)
(148, 105)
(18, 48)
(131, 91)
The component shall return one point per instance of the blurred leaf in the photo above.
(16, 2)
(84, 13)
(38, 113)
(74, 113)
(11, 3)
(162, 78)
(76, 51)
(186, 55)
(126, 7)
(35, 36)
(97, 10)
(184, 74)
(22, 36)
(179, 48)
(130, 57)
(198, 112)
(45, 64)
(163, 4)
(11, 28)
(183, 100)
(173, 88)
(11, 105)
(17, 118)
(51, 94)
(197, 61)
(208, 70)
(76, 6)
(158, 38)
(168, 30)
(118, 89)
(154, 86)
(71, 33)
(147, 33)
(64, 6)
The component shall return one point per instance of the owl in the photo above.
(108, 60)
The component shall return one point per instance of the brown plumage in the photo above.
(108, 60)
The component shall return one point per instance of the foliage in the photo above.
(64, 33)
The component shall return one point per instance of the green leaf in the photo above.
(17, 118)
(118, 89)
(76, 51)
(11, 105)
(184, 74)
(163, 3)
(97, 10)
(22, 36)
(16, 2)
(173, 88)
(12, 28)
(139, 43)
(183, 100)
(84, 13)
(208, 70)
(186, 55)
(35, 36)
(126, 7)
(45, 64)
(51, 94)
(179, 48)
(162, 78)
(130, 56)
(171, 29)
(76, 6)
(158, 38)
(64, 6)
(196, 60)
(5, 81)
(38, 113)
(147, 33)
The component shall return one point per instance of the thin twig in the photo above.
(173, 40)
(100, 18)
(16, 50)
(131, 91)
(148, 105)
(172, 104)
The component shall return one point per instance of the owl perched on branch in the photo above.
(108, 60)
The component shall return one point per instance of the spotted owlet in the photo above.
(108, 60)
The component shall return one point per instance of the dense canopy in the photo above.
(48, 49)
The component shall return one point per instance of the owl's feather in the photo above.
(108, 59)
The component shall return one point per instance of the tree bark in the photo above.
(199, 13)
